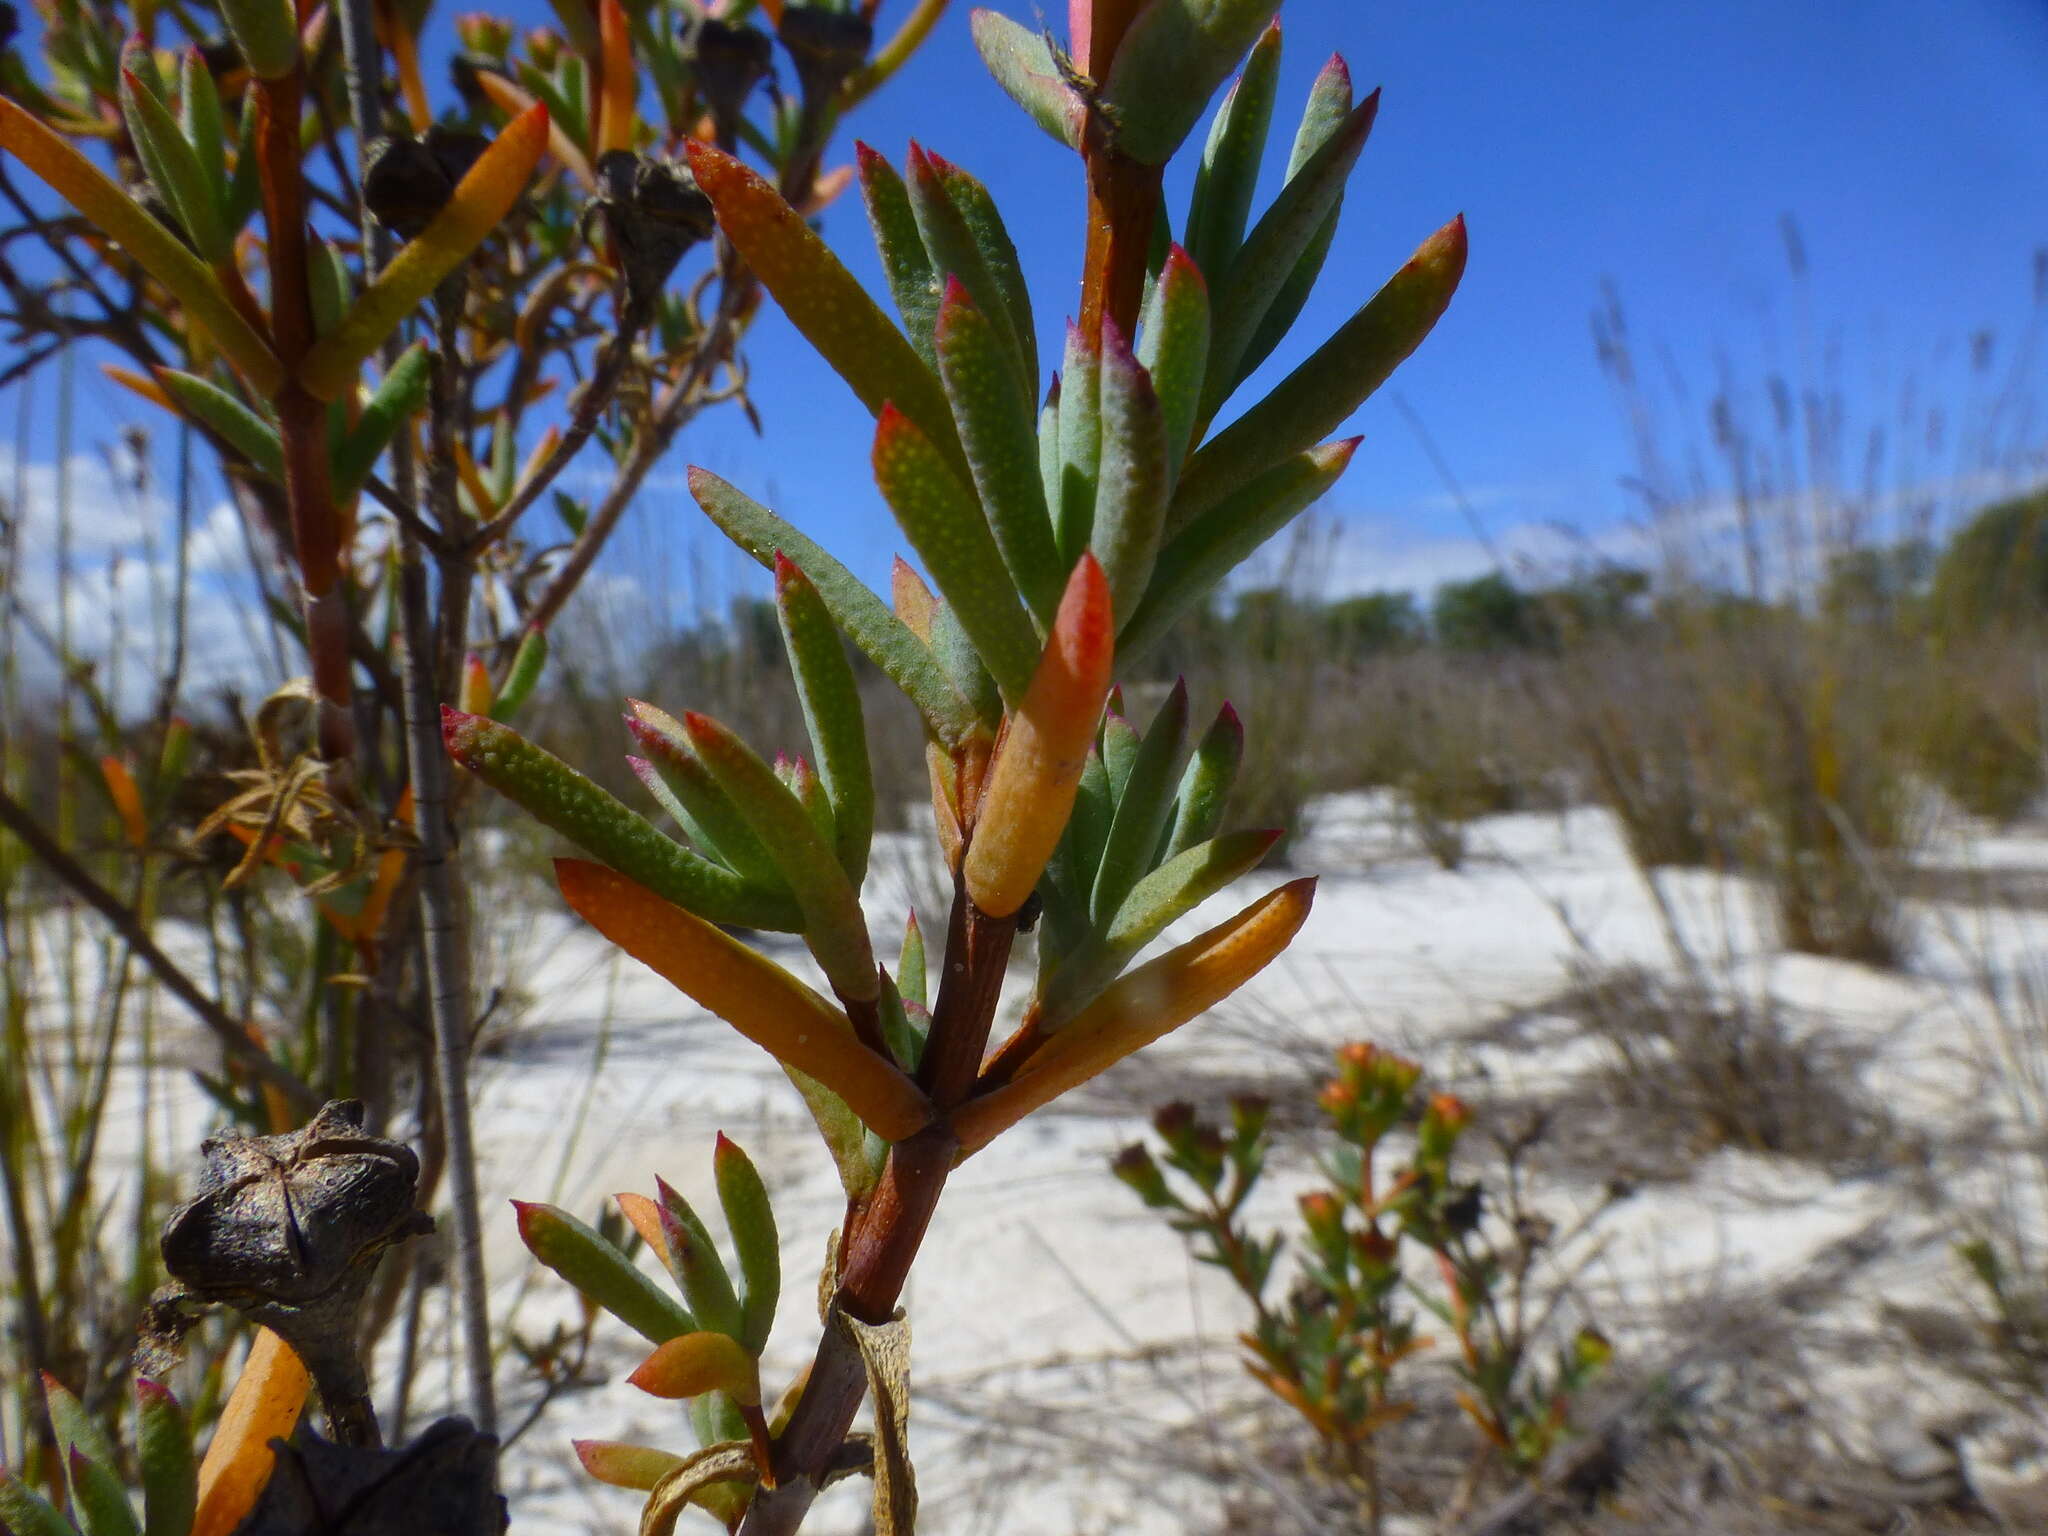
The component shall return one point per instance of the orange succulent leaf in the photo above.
(127, 800)
(638, 1467)
(1030, 790)
(153, 247)
(749, 991)
(514, 101)
(913, 600)
(1154, 1000)
(618, 84)
(479, 204)
(697, 1363)
(140, 384)
(264, 1406)
(645, 1218)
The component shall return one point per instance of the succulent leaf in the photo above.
(1023, 65)
(832, 713)
(1169, 64)
(582, 1256)
(1229, 173)
(1134, 475)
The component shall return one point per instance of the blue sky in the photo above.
(1653, 144)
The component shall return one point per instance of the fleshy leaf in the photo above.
(563, 799)
(1276, 246)
(832, 713)
(689, 793)
(1168, 893)
(1229, 173)
(1329, 103)
(1174, 347)
(582, 1256)
(1134, 475)
(26, 1512)
(1154, 1000)
(618, 83)
(99, 1499)
(969, 245)
(163, 1454)
(400, 395)
(523, 676)
(264, 1406)
(945, 524)
(1335, 380)
(753, 994)
(998, 434)
(1032, 781)
(912, 281)
(910, 963)
(693, 1256)
(1080, 443)
(751, 1220)
(1196, 559)
(1169, 64)
(1023, 65)
(638, 1467)
(887, 640)
(822, 299)
(246, 432)
(268, 32)
(174, 168)
(1142, 808)
(155, 249)
(834, 926)
(1205, 785)
(480, 202)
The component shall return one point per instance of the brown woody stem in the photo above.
(888, 1229)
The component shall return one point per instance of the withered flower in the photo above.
(407, 181)
(443, 1484)
(288, 1230)
(825, 46)
(729, 59)
(654, 213)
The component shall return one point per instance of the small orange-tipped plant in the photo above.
(1061, 537)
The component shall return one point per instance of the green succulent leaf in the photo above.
(561, 798)
(910, 964)
(202, 122)
(528, 662)
(1169, 64)
(1329, 104)
(174, 168)
(958, 257)
(163, 1453)
(100, 1500)
(945, 524)
(678, 778)
(1134, 476)
(887, 640)
(1164, 896)
(1195, 560)
(834, 927)
(1276, 246)
(249, 434)
(913, 282)
(1080, 444)
(1120, 743)
(1205, 785)
(1334, 381)
(1173, 345)
(400, 395)
(1023, 64)
(751, 1220)
(76, 1428)
(991, 240)
(26, 1512)
(1142, 808)
(832, 713)
(963, 666)
(1002, 448)
(584, 1258)
(845, 1137)
(1229, 173)
(694, 1259)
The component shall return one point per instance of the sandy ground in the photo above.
(1068, 1352)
